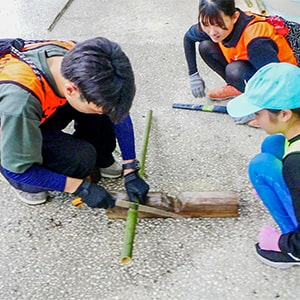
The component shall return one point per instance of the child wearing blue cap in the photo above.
(273, 95)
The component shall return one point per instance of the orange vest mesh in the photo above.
(259, 27)
(15, 71)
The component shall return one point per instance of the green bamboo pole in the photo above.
(249, 3)
(126, 254)
(261, 7)
(60, 14)
(145, 143)
(132, 213)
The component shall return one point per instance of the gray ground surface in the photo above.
(55, 251)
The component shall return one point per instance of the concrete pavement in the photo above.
(55, 251)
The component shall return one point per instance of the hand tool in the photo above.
(147, 209)
(142, 208)
(208, 108)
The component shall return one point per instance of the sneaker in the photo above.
(113, 171)
(277, 259)
(225, 92)
(28, 198)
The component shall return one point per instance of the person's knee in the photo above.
(274, 144)
(237, 73)
(234, 72)
(209, 50)
(204, 47)
(257, 161)
(83, 161)
(86, 161)
(262, 164)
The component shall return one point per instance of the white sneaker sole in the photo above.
(277, 265)
(221, 99)
(111, 176)
(18, 193)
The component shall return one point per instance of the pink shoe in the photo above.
(255, 193)
(225, 92)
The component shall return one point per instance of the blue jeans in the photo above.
(265, 172)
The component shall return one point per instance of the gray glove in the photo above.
(244, 120)
(197, 85)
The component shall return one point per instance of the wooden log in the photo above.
(215, 204)
(212, 204)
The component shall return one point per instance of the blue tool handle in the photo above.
(209, 108)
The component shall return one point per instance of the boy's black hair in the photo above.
(103, 74)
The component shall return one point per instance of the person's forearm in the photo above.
(191, 37)
(125, 136)
(40, 177)
(190, 54)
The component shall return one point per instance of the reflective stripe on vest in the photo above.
(15, 71)
(259, 27)
(293, 147)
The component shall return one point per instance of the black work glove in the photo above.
(94, 195)
(136, 187)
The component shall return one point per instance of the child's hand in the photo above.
(197, 85)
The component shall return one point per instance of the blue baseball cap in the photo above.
(274, 86)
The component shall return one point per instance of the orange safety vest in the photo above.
(259, 27)
(15, 71)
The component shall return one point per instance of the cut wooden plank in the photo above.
(213, 204)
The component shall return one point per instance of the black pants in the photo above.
(235, 73)
(75, 155)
